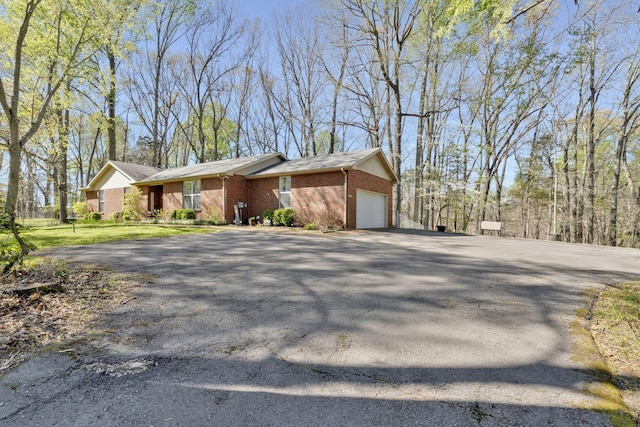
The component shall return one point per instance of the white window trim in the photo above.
(101, 201)
(285, 192)
(192, 195)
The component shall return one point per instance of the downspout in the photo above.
(224, 196)
(344, 214)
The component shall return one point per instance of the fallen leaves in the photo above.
(64, 301)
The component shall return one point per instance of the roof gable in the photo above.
(135, 172)
(119, 174)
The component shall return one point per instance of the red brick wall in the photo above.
(316, 195)
(263, 194)
(211, 198)
(365, 181)
(237, 191)
(113, 201)
(172, 196)
(92, 201)
(310, 194)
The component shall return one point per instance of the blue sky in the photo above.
(262, 8)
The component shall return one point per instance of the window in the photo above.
(101, 201)
(284, 190)
(191, 195)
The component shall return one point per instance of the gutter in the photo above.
(344, 214)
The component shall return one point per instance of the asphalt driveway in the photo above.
(247, 327)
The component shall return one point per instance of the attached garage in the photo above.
(371, 209)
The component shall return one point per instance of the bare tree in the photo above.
(150, 83)
(213, 41)
(298, 45)
(628, 125)
(387, 26)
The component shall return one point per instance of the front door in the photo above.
(155, 198)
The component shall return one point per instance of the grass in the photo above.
(47, 236)
(609, 345)
(616, 325)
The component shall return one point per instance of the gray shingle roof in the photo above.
(328, 162)
(222, 167)
(140, 174)
(135, 172)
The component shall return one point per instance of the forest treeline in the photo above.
(519, 111)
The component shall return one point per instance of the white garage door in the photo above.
(371, 210)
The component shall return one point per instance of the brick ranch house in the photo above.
(355, 186)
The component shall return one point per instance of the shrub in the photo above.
(80, 209)
(217, 221)
(310, 226)
(214, 217)
(268, 214)
(277, 217)
(188, 214)
(288, 217)
(161, 214)
(324, 220)
(134, 209)
(182, 214)
(116, 217)
(284, 217)
(92, 217)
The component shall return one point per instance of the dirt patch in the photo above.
(53, 303)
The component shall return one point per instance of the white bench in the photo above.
(491, 226)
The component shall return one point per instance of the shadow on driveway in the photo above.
(386, 328)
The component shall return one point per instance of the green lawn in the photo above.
(87, 234)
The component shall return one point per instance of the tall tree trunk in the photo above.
(499, 185)
(61, 163)
(419, 193)
(111, 101)
(615, 185)
(397, 151)
(590, 178)
(15, 160)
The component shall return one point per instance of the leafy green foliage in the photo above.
(284, 217)
(80, 209)
(11, 253)
(209, 222)
(134, 209)
(52, 211)
(268, 214)
(183, 214)
(92, 217)
(213, 216)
